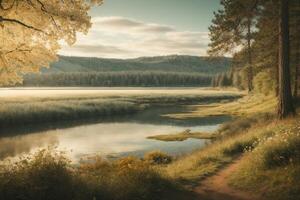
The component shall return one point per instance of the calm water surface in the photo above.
(112, 138)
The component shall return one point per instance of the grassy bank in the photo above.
(25, 109)
(272, 168)
(18, 113)
(270, 152)
(182, 136)
(209, 160)
(247, 106)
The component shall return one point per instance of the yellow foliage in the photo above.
(31, 32)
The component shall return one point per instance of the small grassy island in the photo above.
(183, 136)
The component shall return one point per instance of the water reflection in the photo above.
(114, 137)
(14, 146)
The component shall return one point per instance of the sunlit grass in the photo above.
(246, 106)
(23, 110)
(207, 161)
(273, 167)
(52, 111)
(182, 136)
(270, 151)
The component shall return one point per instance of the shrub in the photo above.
(45, 176)
(49, 176)
(158, 158)
(281, 151)
(264, 83)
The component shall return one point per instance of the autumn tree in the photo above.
(232, 28)
(31, 32)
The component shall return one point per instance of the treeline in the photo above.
(117, 79)
(267, 36)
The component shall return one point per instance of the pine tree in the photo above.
(233, 26)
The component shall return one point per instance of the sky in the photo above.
(139, 28)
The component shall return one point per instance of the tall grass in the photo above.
(273, 167)
(49, 175)
(52, 111)
(35, 110)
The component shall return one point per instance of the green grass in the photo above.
(182, 136)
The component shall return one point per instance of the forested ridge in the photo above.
(173, 70)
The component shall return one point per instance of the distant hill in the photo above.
(146, 71)
(173, 63)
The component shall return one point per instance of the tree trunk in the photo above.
(250, 67)
(297, 71)
(277, 75)
(285, 99)
(296, 86)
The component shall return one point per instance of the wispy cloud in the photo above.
(121, 24)
(126, 38)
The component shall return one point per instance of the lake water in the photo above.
(121, 136)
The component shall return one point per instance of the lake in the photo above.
(119, 137)
(111, 138)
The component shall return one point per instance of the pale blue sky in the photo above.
(193, 15)
(134, 28)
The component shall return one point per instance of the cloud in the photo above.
(121, 37)
(98, 48)
(117, 22)
(95, 50)
(126, 24)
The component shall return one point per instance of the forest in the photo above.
(118, 79)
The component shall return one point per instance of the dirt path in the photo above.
(216, 187)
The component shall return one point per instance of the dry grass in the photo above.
(272, 168)
(207, 161)
(246, 106)
(182, 136)
(271, 154)
(49, 175)
(18, 107)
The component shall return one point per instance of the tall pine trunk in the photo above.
(297, 71)
(285, 99)
(297, 74)
(249, 50)
(277, 75)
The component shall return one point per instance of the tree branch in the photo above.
(2, 19)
